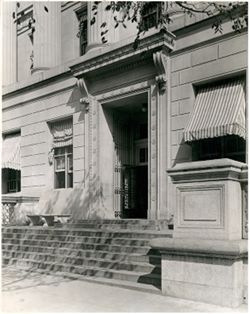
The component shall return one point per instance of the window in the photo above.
(230, 146)
(11, 181)
(63, 163)
(151, 14)
(217, 127)
(11, 163)
(62, 132)
(83, 27)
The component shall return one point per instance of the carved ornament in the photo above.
(160, 62)
(84, 91)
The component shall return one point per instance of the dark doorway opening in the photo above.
(135, 192)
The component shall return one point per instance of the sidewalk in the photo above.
(32, 292)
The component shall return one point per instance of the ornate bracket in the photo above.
(160, 62)
(51, 156)
(85, 102)
(84, 90)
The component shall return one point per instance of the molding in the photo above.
(19, 199)
(123, 92)
(226, 249)
(208, 170)
(37, 98)
(217, 222)
(113, 55)
(143, 61)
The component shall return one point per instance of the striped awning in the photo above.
(62, 132)
(11, 151)
(219, 110)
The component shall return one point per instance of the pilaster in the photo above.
(153, 146)
(160, 139)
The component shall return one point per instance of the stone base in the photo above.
(204, 270)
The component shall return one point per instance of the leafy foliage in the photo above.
(124, 12)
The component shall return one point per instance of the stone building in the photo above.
(103, 130)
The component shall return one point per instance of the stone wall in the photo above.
(30, 112)
(210, 61)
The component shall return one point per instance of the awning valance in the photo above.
(62, 132)
(219, 110)
(11, 151)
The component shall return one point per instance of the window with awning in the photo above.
(11, 151)
(219, 110)
(217, 127)
(11, 163)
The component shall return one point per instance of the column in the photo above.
(9, 44)
(47, 35)
(94, 30)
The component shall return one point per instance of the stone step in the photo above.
(152, 257)
(118, 264)
(113, 251)
(16, 238)
(142, 277)
(24, 246)
(99, 280)
(8, 231)
(124, 223)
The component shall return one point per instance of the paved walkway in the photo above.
(33, 292)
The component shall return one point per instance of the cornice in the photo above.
(37, 80)
(212, 170)
(119, 53)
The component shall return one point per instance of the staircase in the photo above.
(114, 252)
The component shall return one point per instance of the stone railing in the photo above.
(16, 207)
(8, 211)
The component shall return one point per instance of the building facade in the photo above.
(94, 129)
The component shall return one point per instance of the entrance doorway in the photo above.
(130, 157)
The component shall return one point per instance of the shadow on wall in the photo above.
(82, 202)
(74, 103)
(184, 153)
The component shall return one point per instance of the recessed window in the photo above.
(230, 146)
(151, 14)
(62, 132)
(63, 163)
(83, 28)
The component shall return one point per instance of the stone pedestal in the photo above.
(204, 270)
(208, 199)
(207, 259)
